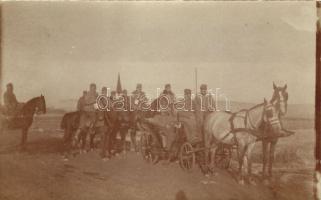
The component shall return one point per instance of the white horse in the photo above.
(280, 100)
(242, 129)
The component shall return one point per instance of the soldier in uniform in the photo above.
(204, 104)
(136, 103)
(100, 126)
(81, 101)
(167, 100)
(100, 114)
(189, 103)
(88, 116)
(137, 98)
(10, 100)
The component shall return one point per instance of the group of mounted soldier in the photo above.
(92, 107)
(119, 112)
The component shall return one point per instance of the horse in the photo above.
(127, 119)
(23, 118)
(69, 123)
(242, 129)
(279, 99)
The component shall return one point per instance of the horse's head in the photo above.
(40, 105)
(271, 118)
(280, 98)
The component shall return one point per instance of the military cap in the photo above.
(187, 91)
(203, 87)
(92, 85)
(104, 89)
(9, 85)
(139, 85)
(167, 85)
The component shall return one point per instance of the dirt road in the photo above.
(40, 173)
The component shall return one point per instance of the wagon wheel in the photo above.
(145, 148)
(187, 156)
(222, 157)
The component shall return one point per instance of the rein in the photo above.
(248, 124)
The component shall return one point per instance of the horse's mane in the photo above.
(30, 102)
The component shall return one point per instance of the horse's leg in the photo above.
(24, 132)
(265, 145)
(83, 140)
(66, 142)
(76, 137)
(123, 133)
(112, 139)
(241, 149)
(105, 144)
(249, 161)
(92, 135)
(133, 139)
(271, 160)
(207, 146)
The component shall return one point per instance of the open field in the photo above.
(40, 172)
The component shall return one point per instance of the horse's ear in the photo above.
(274, 86)
(285, 86)
(265, 101)
(41, 95)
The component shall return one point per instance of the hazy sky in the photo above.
(57, 49)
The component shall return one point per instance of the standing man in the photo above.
(204, 104)
(10, 100)
(88, 116)
(81, 101)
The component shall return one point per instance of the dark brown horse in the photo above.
(24, 117)
(69, 123)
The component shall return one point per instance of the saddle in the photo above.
(12, 112)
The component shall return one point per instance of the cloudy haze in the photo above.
(59, 48)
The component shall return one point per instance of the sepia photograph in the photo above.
(166, 100)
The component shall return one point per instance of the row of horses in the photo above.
(243, 129)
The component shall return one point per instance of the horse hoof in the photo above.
(241, 182)
(252, 182)
(214, 174)
(105, 159)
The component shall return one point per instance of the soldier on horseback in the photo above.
(88, 116)
(10, 101)
(138, 96)
(166, 100)
(81, 101)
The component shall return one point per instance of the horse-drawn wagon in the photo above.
(223, 132)
(178, 138)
